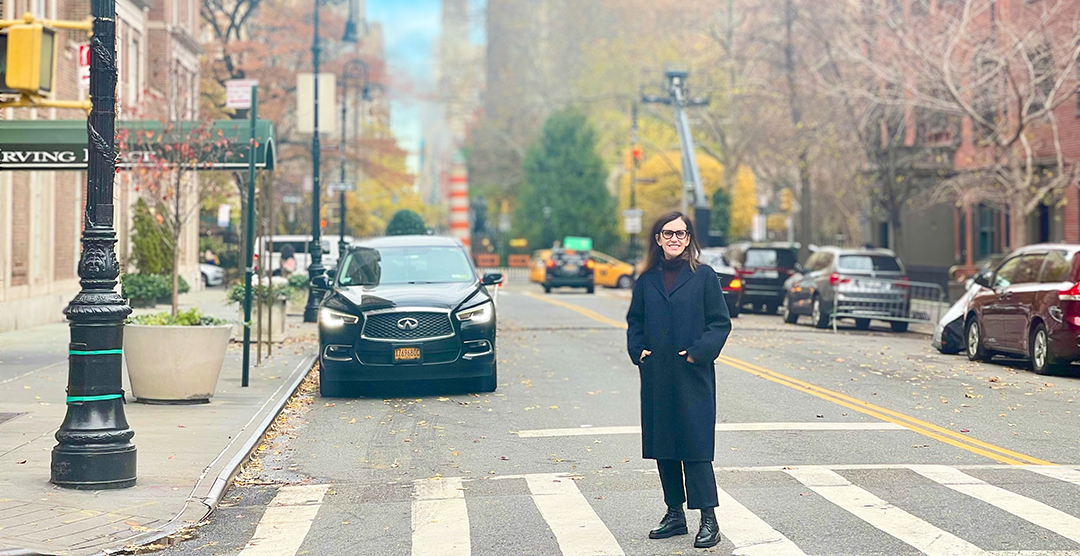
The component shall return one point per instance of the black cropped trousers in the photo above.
(700, 483)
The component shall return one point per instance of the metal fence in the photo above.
(510, 274)
(889, 300)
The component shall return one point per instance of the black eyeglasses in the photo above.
(668, 234)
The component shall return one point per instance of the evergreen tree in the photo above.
(720, 221)
(150, 250)
(564, 173)
(404, 223)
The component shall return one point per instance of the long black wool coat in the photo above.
(678, 399)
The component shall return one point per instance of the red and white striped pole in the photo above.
(459, 200)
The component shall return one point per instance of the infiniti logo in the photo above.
(408, 323)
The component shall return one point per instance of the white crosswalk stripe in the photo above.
(749, 533)
(577, 528)
(888, 518)
(440, 519)
(441, 525)
(1021, 506)
(286, 522)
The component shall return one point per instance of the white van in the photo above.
(301, 245)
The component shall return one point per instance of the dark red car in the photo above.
(1030, 306)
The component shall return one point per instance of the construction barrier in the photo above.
(519, 261)
(487, 260)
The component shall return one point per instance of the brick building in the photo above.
(41, 209)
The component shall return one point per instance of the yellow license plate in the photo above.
(407, 354)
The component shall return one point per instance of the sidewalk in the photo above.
(186, 454)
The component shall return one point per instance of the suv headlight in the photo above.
(477, 315)
(333, 319)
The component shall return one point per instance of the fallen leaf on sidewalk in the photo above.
(20, 462)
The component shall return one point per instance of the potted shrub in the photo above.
(273, 297)
(144, 290)
(175, 360)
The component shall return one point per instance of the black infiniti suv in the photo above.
(406, 309)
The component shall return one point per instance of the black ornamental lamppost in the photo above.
(95, 449)
(316, 272)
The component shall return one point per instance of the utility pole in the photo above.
(346, 76)
(691, 175)
(94, 449)
(635, 155)
(790, 14)
(316, 272)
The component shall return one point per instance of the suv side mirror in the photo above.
(492, 279)
(331, 273)
(985, 278)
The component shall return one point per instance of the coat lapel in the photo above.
(680, 280)
(656, 278)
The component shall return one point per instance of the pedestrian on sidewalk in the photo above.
(677, 324)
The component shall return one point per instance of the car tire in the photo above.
(863, 324)
(975, 349)
(590, 289)
(625, 282)
(205, 281)
(771, 308)
(899, 326)
(789, 316)
(1041, 354)
(489, 383)
(547, 288)
(733, 310)
(818, 316)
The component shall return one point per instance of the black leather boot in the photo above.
(709, 533)
(674, 523)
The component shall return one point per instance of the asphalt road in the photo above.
(857, 443)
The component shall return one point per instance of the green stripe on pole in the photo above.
(96, 352)
(94, 398)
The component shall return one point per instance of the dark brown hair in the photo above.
(656, 252)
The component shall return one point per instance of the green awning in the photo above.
(61, 144)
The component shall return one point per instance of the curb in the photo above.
(221, 482)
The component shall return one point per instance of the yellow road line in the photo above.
(860, 405)
(924, 428)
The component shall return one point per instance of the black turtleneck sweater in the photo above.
(671, 268)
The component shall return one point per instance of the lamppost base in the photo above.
(94, 467)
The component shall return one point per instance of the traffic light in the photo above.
(786, 198)
(637, 156)
(29, 58)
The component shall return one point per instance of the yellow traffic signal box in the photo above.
(30, 58)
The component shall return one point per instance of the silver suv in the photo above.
(869, 283)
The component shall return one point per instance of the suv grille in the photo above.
(429, 325)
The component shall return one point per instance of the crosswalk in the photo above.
(935, 510)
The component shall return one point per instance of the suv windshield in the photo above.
(405, 265)
(769, 258)
(869, 263)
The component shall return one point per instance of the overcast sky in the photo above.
(411, 29)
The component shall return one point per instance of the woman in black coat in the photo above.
(677, 324)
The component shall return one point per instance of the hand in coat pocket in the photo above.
(689, 359)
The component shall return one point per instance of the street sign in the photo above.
(238, 93)
(224, 216)
(84, 65)
(338, 187)
(519, 242)
(577, 243)
(305, 103)
(632, 220)
(292, 199)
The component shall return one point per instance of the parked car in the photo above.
(949, 333)
(611, 272)
(763, 269)
(404, 309)
(1029, 306)
(571, 269)
(729, 278)
(538, 265)
(212, 275)
(870, 283)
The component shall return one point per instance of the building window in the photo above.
(134, 81)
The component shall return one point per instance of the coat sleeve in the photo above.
(635, 323)
(717, 322)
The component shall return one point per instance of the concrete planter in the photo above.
(279, 328)
(175, 364)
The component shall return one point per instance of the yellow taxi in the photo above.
(611, 272)
(608, 272)
(538, 265)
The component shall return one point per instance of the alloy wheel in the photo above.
(816, 311)
(1039, 350)
(973, 337)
